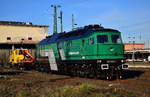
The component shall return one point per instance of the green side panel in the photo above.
(88, 51)
(55, 50)
(79, 50)
(40, 48)
(111, 51)
(84, 49)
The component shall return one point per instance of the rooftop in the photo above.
(15, 23)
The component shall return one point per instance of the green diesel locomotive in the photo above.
(87, 51)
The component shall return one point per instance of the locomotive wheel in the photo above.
(74, 71)
(92, 71)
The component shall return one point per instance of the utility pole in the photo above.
(61, 24)
(132, 42)
(55, 17)
(133, 54)
(140, 36)
(148, 45)
(133, 49)
(72, 22)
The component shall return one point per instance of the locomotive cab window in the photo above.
(60, 45)
(20, 52)
(115, 38)
(91, 41)
(69, 43)
(102, 38)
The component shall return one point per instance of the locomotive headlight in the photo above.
(123, 61)
(99, 61)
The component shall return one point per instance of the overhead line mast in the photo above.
(61, 24)
(72, 22)
(55, 17)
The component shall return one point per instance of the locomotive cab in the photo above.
(109, 45)
(110, 52)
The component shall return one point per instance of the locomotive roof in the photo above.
(75, 34)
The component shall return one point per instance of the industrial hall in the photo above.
(15, 35)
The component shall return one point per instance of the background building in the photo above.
(15, 32)
(136, 52)
(19, 35)
(129, 46)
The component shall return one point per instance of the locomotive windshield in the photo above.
(105, 39)
(116, 38)
(102, 38)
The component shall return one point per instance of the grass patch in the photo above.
(85, 87)
(64, 92)
(22, 93)
(89, 90)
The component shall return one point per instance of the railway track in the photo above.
(137, 81)
(138, 84)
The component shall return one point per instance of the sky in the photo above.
(131, 17)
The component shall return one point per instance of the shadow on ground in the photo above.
(132, 74)
(56, 79)
(11, 72)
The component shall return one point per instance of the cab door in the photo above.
(83, 49)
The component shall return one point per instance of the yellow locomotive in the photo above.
(21, 57)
